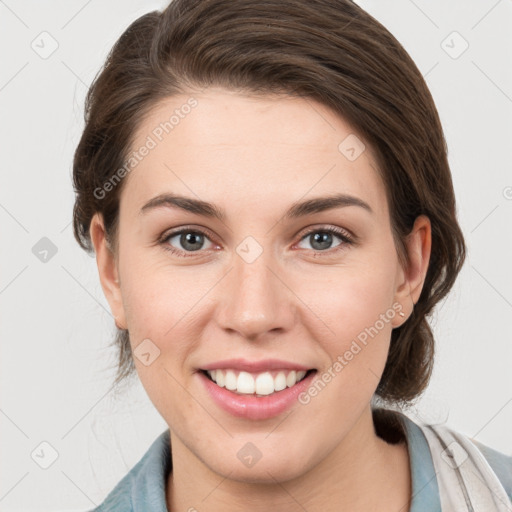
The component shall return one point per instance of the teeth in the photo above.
(291, 379)
(231, 381)
(245, 383)
(280, 381)
(219, 377)
(262, 384)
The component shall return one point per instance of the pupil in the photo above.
(189, 241)
(323, 238)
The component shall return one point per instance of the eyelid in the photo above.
(329, 228)
(187, 228)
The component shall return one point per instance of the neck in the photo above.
(363, 473)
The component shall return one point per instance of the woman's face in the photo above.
(254, 285)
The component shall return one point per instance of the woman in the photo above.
(296, 144)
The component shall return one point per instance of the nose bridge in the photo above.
(256, 301)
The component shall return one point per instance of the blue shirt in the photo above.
(143, 488)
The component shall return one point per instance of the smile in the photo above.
(255, 390)
(259, 384)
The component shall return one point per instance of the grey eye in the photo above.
(189, 241)
(321, 240)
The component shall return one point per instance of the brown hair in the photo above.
(329, 50)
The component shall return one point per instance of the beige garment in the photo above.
(466, 481)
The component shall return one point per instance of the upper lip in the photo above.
(254, 366)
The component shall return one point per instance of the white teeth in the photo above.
(262, 383)
(291, 379)
(220, 378)
(245, 383)
(230, 381)
(280, 381)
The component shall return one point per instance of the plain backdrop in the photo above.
(56, 359)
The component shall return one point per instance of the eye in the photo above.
(185, 241)
(321, 239)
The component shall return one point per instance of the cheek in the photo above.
(357, 308)
(165, 305)
(161, 307)
(350, 300)
(158, 296)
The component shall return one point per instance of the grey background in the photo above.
(55, 324)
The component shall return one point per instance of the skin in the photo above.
(254, 157)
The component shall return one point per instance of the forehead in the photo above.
(240, 149)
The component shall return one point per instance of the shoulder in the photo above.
(119, 498)
(500, 463)
(431, 448)
(143, 488)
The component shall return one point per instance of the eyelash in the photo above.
(342, 234)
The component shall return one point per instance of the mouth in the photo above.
(259, 384)
(255, 390)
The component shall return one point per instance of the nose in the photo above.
(255, 301)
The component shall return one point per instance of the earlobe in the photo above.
(418, 244)
(107, 270)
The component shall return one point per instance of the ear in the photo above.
(107, 269)
(412, 277)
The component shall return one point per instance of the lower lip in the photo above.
(253, 407)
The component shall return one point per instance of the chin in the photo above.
(242, 461)
(275, 469)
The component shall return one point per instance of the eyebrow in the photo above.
(298, 209)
